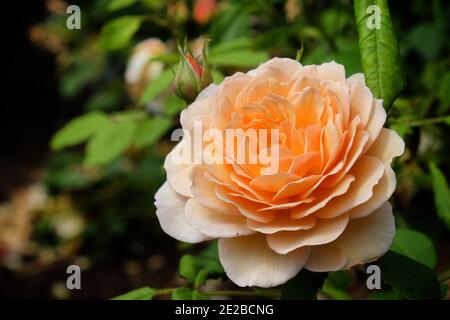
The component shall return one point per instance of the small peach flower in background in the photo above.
(325, 209)
(141, 70)
(203, 10)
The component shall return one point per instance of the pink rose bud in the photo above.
(203, 10)
(191, 76)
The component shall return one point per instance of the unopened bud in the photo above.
(191, 76)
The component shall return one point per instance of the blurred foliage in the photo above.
(107, 162)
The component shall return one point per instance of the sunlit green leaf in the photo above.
(114, 5)
(187, 294)
(150, 130)
(109, 143)
(239, 58)
(157, 86)
(414, 245)
(173, 105)
(79, 130)
(441, 194)
(144, 293)
(380, 57)
(118, 32)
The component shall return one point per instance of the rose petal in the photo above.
(215, 224)
(331, 71)
(387, 146)
(179, 168)
(381, 193)
(367, 171)
(282, 222)
(248, 261)
(170, 213)
(368, 238)
(326, 258)
(323, 232)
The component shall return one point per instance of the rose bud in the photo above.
(191, 76)
(203, 10)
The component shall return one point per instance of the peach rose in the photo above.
(325, 209)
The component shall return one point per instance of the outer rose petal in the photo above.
(356, 78)
(215, 224)
(325, 258)
(363, 240)
(387, 146)
(170, 213)
(248, 261)
(331, 71)
(287, 66)
(201, 109)
(179, 175)
(381, 193)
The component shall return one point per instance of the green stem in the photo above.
(418, 123)
(162, 292)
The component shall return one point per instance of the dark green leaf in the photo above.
(380, 57)
(197, 269)
(383, 295)
(441, 194)
(444, 90)
(78, 130)
(304, 286)
(414, 245)
(114, 5)
(118, 32)
(144, 293)
(410, 279)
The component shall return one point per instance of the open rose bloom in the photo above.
(326, 206)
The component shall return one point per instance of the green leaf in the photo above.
(444, 90)
(118, 32)
(78, 130)
(144, 293)
(441, 194)
(383, 295)
(380, 57)
(157, 86)
(217, 76)
(238, 58)
(115, 5)
(187, 294)
(235, 44)
(304, 286)
(150, 130)
(414, 245)
(109, 143)
(197, 269)
(173, 105)
(410, 279)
